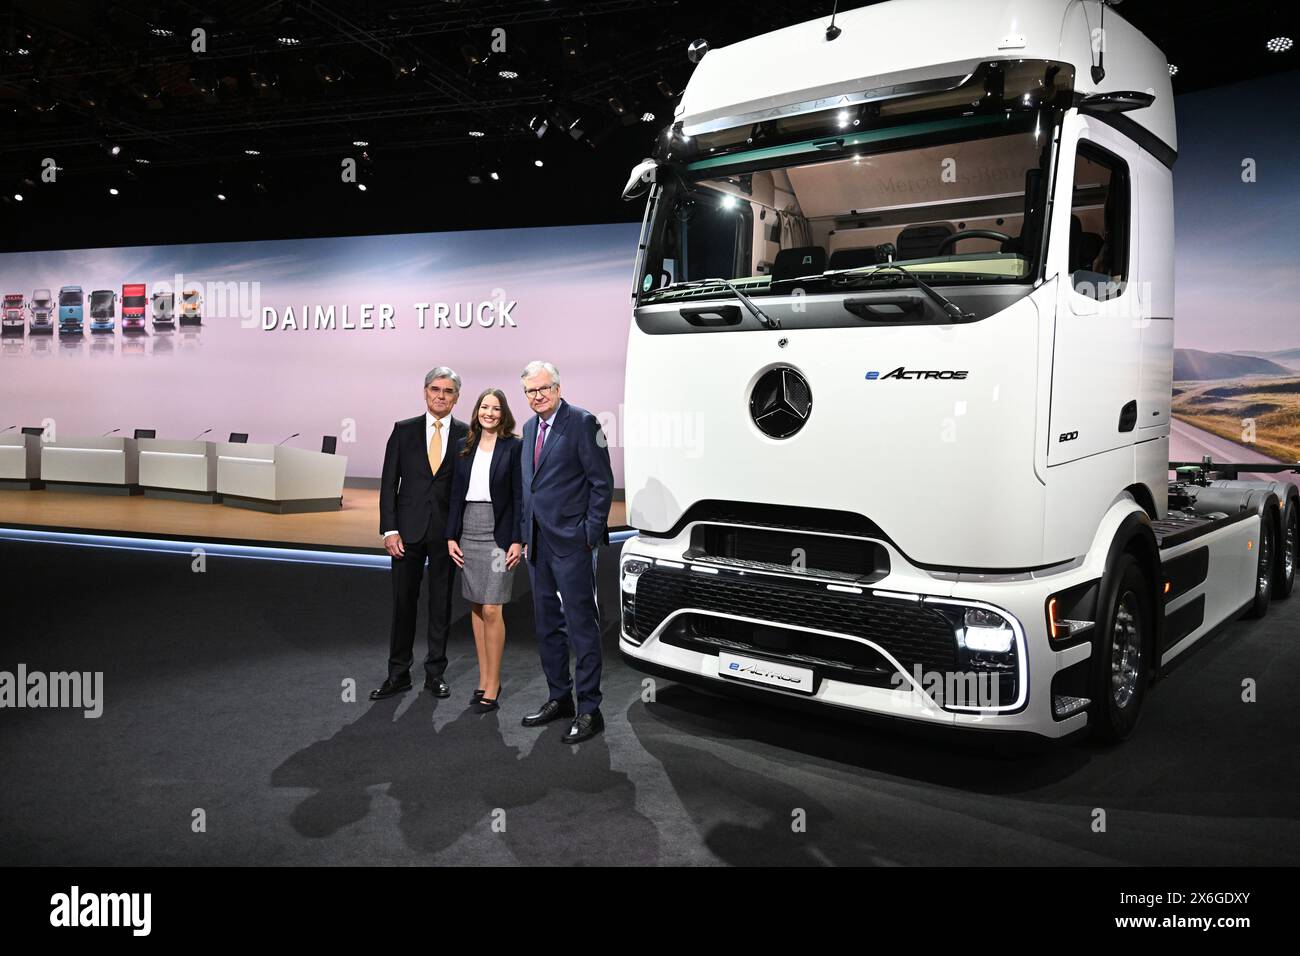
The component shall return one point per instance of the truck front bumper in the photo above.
(952, 650)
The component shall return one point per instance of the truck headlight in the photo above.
(631, 570)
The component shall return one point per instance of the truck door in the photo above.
(1097, 345)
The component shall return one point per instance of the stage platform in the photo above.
(354, 527)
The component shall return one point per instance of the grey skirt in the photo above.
(484, 578)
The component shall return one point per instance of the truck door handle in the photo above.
(712, 315)
(884, 308)
(1128, 416)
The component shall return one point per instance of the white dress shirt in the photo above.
(429, 419)
(480, 488)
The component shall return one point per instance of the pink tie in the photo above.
(541, 437)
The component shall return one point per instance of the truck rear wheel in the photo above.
(1288, 551)
(1122, 653)
(1263, 568)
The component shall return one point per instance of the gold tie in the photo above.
(435, 447)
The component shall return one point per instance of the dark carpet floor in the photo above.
(223, 692)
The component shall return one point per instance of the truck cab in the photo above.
(191, 307)
(920, 325)
(42, 311)
(103, 310)
(13, 318)
(133, 306)
(163, 304)
(71, 310)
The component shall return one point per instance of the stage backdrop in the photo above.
(326, 336)
(271, 358)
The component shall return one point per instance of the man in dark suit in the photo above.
(414, 494)
(568, 489)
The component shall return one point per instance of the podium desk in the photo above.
(184, 470)
(20, 461)
(279, 479)
(106, 466)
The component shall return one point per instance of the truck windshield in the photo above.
(69, 298)
(133, 302)
(42, 297)
(955, 201)
(101, 301)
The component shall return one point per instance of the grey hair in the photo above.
(441, 372)
(535, 368)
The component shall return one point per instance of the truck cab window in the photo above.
(1099, 216)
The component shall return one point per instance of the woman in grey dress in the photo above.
(483, 531)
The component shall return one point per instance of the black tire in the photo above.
(1266, 548)
(1122, 655)
(1288, 551)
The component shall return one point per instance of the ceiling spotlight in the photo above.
(539, 125)
(252, 152)
(361, 186)
(617, 106)
(221, 197)
(288, 39)
(18, 197)
(508, 74)
(114, 149)
(495, 176)
(1173, 69)
(161, 32)
(538, 163)
(328, 72)
(664, 87)
(695, 52)
(647, 117)
(1280, 44)
(728, 202)
(112, 190)
(142, 161)
(361, 142)
(475, 179)
(404, 66)
(477, 133)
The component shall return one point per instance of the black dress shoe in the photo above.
(388, 689)
(437, 687)
(478, 692)
(549, 711)
(584, 727)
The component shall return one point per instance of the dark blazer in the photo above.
(505, 480)
(569, 493)
(412, 500)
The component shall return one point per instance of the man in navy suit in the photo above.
(568, 489)
(414, 494)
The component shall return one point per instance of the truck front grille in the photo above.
(911, 632)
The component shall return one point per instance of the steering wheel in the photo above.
(957, 237)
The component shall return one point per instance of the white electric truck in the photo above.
(907, 278)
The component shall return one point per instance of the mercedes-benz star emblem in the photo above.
(781, 402)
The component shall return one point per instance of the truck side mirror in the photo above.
(1117, 102)
(643, 174)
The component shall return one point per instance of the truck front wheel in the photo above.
(1122, 653)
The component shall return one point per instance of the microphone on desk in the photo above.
(294, 435)
(200, 434)
(113, 432)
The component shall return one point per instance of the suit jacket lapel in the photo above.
(498, 460)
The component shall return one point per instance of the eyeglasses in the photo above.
(442, 391)
(539, 391)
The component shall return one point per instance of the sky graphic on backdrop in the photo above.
(1238, 244)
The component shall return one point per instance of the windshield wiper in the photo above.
(759, 314)
(951, 308)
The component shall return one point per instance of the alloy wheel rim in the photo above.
(1126, 651)
(1289, 557)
